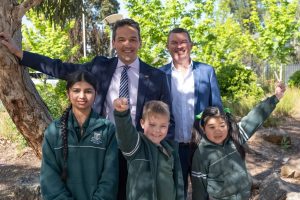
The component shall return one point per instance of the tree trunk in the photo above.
(17, 92)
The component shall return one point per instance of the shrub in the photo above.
(294, 80)
(236, 82)
(51, 98)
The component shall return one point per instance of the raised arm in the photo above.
(128, 138)
(256, 117)
(53, 67)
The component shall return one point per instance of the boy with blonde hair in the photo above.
(154, 171)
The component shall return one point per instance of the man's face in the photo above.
(127, 44)
(155, 127)
(179, 47)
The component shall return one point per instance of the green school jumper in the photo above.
(218, 171)
(92, 164)
(154, 171)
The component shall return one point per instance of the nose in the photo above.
(81, 95)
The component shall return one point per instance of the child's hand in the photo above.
(121, 104)
(279, 89)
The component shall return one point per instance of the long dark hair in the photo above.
(71, 80)
(233, 130)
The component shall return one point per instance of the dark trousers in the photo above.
(184, 155)
(122, 177)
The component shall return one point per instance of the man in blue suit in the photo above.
(193, 88)
(145, 82)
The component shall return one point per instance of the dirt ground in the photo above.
(264, 159)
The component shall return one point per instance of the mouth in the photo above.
(81, 102)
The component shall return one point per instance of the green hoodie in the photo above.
(218, 171)
(92, 164)
(143, 158)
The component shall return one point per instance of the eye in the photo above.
(75, 90)
(133, 40)
(89, 91)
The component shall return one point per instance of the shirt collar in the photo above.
(174, 69)
(134, 65)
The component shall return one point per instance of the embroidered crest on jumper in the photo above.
(97, 138)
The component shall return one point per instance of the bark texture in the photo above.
(17, 92)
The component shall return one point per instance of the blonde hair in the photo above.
(155, 107)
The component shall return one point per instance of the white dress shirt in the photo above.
(114, 88)
(183, 103)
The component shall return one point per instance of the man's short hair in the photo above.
(125, 22)
(179, 30)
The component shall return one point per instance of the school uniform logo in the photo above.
(97, 138)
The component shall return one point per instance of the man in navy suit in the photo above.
(145, 82)
(193, 88)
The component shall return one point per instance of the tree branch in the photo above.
(27, 5)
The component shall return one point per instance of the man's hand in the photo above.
(121, 104)
(7, 41)
(279, 89)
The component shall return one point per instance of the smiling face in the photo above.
(127, 43)
(155, 127)
(82, 96)
(179, 46)
(216, 130)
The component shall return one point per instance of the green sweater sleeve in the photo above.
(199, 177)
(52, 186)
(128, 138)
(256, 117)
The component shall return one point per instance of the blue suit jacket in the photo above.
(153, 83)
(207, 91)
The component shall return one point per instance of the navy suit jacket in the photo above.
(207, 92)
(153, 83)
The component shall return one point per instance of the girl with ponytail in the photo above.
(80, 157)
(218, 163)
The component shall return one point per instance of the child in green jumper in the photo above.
(218, 167)
(80, 154)
(154, 171)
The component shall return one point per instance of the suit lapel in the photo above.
(197, 80)
(106, 76)
(144, 76)
(168, 72)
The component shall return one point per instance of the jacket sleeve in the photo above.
(108, 183)
(256, 117)
(215, 98)
(52, 67)
(52, 187)
(199, 177)
(128, 138)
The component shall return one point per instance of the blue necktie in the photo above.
(124, 88)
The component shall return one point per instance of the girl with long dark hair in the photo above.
(80, 157)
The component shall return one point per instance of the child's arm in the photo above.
(127, 136)
(52, 186)
(199, 177)
(255, 118)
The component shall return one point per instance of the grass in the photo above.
(285, 108)
(9, 131)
